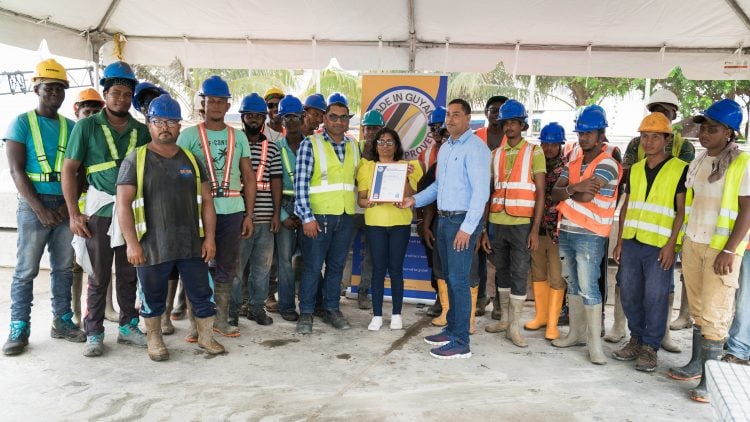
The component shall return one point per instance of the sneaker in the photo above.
(337, 320)
(452, 350)
(646, 361)
(290, 316)
(305, 324)
(439, 339)
(396, 323)
(131, 334)
(260, 316)
(63, 327)
(376, 323)
(94, 345)
(630, 351)
(18, 338)
(730, 358)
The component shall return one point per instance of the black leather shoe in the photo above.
(337, 320)
(290, 316)
(260, 317)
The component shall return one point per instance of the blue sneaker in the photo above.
(451, 350)
(438, 339)
(94, 345)
(18, 338)
(131, 334)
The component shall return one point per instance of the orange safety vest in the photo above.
(572, 150)
(516, 195)
(598, 214)
(262, 164)
(428, 157)
(482, 134)
(218, 190)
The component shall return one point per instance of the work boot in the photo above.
(305, 324)
(646, 361)
(578, 326)
(593, 337)
(290, 316)
(192, 335)
(435, 309)
(337, 320)
(502, 325)
(131, 334)
(109, 310)
(75, 297)
(541, 304)
(94, 345)
(710, 350)
(497, 313)
(18, 338)
(63, 327)
(363, 301)
(482, 303)
(166, 321)
(556, 299)
(442, 319)
(630, 351)
(221, 297)
(157, 350)
(244, 309)
(730, 358)
(513, 332)
(683, 318)
(691, 371)
(667, 343)
(259, 316)
(618, 330)
(472, 318)
(206, 338)
(272, 305)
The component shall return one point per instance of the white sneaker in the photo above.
(376, 323)
(396, 323)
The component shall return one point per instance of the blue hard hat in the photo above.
(253, 103)
(726, 112)
(316, 101)
(552, 133)
(437, 116)
(591, 118)
(119, 70)
(512, 110)
(338, 98)
(290, 105)
(214, 86)
(166, 107)
(141, 89)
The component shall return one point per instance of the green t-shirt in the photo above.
(538, 165)
(88, 145)
(217, 140)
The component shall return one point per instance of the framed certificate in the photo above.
(388, 182)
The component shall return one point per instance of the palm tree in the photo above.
(337, 80)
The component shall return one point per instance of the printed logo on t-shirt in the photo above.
(186, 172)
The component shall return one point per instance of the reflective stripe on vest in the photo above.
(288, 169)
(573, 150)
(598, 214)
(332, 189)
(114, 154)
(516, 195)
(48, 174)
(218, 190)
(139, 204)
(429, 156)
(261, 170)
(649, 219)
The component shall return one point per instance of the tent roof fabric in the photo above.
(634, 38)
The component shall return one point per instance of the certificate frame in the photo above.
(384, 177)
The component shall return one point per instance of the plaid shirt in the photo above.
(303, 173)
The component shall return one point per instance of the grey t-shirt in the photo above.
(171, 212)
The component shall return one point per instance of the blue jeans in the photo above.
(154, 281)
(330, 247)
(32, 238)
(581, 256)
(457, 268)
(644, 291)
(287, 243)
(257, 252)
(739, 334)
(387, 251)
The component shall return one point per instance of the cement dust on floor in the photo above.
(272, 373)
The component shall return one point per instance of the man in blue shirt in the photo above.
(461, 190)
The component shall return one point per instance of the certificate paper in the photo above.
(388, 182)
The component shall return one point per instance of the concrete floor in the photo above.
(271, 373)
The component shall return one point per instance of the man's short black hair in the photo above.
(464, 104)
(496, 99)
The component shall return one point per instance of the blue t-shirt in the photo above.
(20, 131)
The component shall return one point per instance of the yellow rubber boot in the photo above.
(541, 303)
(442, 319)
(474, 294)
(556, 298)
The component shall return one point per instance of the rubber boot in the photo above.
(474, 294)
(109, 310)
(683, 319)
(502, 325)
(442, 319)
(593, 334)
(693, 369)
(221, 297)
(436, 308)
(577, 330)
(75, 297)
(556, 298)
(618, 330)
(192, 336)
(710, 350)
(541, 304)
(667, 343)
(497, 313)
(157, 350)
(513, 333)
(166, 321)
(206, 339)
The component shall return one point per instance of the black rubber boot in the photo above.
(693, 369)
(711, 350)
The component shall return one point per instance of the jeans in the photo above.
(387, 250)
(457, 268)
(581, 256)
(228, 243)
(739, 333)
(365, 268)
(32, 238)
(644, 291)
(287, 244)
(257, 252)
(511, 257)
(154, 281)
(330, 246)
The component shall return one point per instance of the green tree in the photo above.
(586, 91)
(337, 80)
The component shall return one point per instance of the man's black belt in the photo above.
(450, 213)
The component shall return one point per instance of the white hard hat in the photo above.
(663, 96)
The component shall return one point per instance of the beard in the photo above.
(118, 113)
(252, 130)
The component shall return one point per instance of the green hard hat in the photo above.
(373, 118)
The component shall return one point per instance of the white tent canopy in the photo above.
(633, 38)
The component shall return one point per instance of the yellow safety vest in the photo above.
(332, 189)
(139, 204)
(287, 164)
(48, 174)
(649, 219)
(116, 160)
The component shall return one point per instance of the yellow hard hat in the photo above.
(49, 69)
(88, 94)
(273, 91)
(656, 122)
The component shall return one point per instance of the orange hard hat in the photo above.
(656, 122)
(88, 94)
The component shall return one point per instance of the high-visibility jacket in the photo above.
(517, 194)
(261, 170)
(332, 189)
(286, 163)
(48, 174)
(572, 150)
(139, 204)
(428, 157)
(598, 214)
(649, 219)
(115, 156)
(219, 190)
(730, 206)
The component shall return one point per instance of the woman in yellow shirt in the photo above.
(388, 228)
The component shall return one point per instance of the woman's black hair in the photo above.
(398, 155)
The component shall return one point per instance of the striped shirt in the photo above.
(605, 170)
(264, 199)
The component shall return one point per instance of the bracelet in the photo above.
(567, 191)
(728, 251)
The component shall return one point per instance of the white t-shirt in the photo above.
(271, 134)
